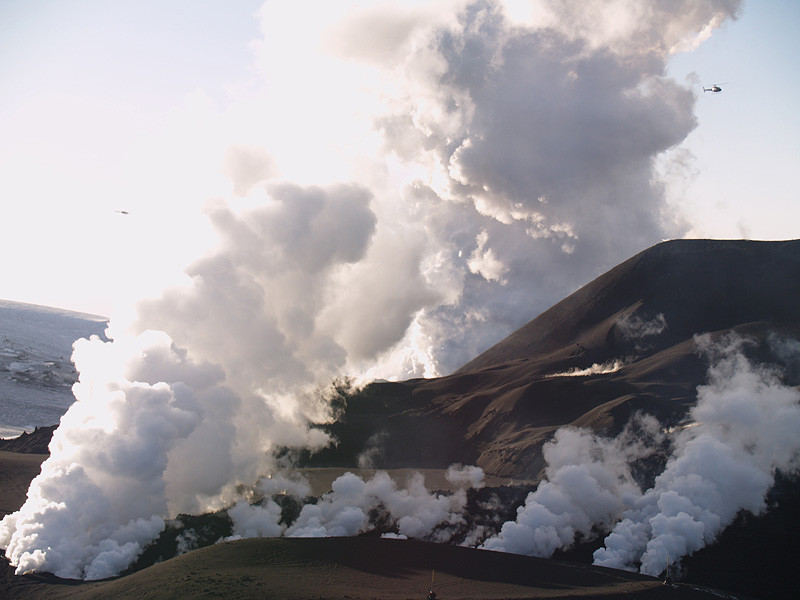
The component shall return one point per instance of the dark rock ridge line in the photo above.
(35, 442)
(636, 324)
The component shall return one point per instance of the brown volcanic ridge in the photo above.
(497, 411)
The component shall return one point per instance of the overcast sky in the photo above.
(477, 161)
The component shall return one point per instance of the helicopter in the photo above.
(714, 88)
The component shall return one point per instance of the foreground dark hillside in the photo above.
(359, 568)
(498, 409)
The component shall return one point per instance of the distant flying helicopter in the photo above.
(122, 212)
(714, 88)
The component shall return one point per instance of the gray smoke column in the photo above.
(747, 425)
(408, 185)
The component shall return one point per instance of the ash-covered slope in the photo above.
(622, 343)
(697, 285)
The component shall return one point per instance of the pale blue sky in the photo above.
(145, 53)
(101, 105)
(96, 96)
(747, 143)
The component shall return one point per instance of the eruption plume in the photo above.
(435, 168)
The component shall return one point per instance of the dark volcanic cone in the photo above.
(630, 330)
(698, 285)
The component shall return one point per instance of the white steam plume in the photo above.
(163, 425)
(596, 369)
(747, 428)
(633, 326)
(588, 484)
(510, 154)
(346, 510)
(101, 494)
(491, 164)
(415, 510)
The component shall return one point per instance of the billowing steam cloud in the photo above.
(158, 429)
(355, 505)
(350, 508)
(510, 152)
(101, 494)
(493, 159)
(745, 426)
(588, 483)
(416, 511)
